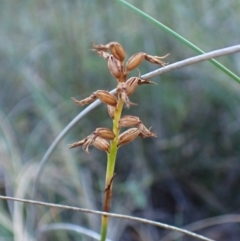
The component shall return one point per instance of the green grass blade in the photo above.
(180, 38)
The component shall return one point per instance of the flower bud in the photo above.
(129, 121)
(106, 97)
(101, 144)
(117, 51)
(134, 61)
(104, 133)
(128, 136)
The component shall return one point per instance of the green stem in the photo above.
(179, 37)
(110, 169)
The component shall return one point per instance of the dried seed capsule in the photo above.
(115, 67)
(156, 59)
(144, 132)
(106, 97)
(129, 121)
(111, 110)
(104, 133)
(131, 85)
(134, 61)
(117, 51)
(128, 136)
(85, 101)
(101, 144)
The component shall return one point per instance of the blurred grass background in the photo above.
(189, 173)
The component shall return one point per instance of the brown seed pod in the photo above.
(115, 67)
(131, 85)
(117, 51)
(129, 121)
(104, 133)
(134, 61)
(106, 97)
(101, 144)
(128, 136)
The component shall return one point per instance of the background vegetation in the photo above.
(189, 173)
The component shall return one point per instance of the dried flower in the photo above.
(122, 90)
(85, 143)
(144, 132)
(156, 59)
(85, 101)
(136, 59)
(102, 95)
(115, 48)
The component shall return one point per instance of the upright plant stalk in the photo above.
(110, 170)
(125, 87)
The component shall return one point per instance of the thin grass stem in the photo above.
(179, 37)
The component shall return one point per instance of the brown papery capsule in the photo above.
(85, 101)
(117, 51)
(106, 97)
(111, 111)
(156, 59)
(114, 67)
(104, 133)
(134, 61)
(131, 85)
(101, 144)
(129, 121)
(128, 136)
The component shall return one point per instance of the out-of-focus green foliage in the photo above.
(190, 172)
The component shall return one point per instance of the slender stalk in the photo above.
(110, 169)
